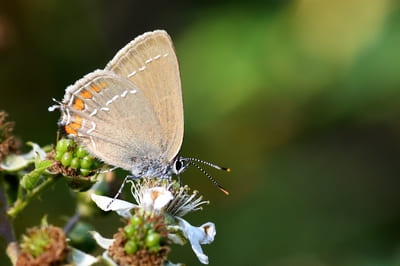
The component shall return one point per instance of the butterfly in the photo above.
(130, 114)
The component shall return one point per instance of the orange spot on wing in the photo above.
(95, 88)
(102, 85)
(78, 119)
(78, 104)
(86, 94)
(70, 130)
(77, 123)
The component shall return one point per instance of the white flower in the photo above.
(155, 194)
(156, 198)
(109, 204)
(16, 162)
(161, 197)
(150, 199)
(183, 202)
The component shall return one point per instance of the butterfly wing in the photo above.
(112, 118)
(149, 61)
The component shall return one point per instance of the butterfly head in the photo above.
(180, 164)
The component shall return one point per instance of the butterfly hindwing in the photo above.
(112, 118)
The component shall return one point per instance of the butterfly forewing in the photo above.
(112, 118)
(150, 63)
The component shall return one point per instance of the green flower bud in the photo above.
(58, 155)
(87, 161)
(63, 145)
(130, 247)
(129, 230)
(136, 220)
(66, 159)
(152, 239)
(81, 152)
(75, 162)
(84, 172)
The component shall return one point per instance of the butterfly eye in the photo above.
(178, 165)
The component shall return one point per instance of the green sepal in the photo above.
(80, 183)
(43, 222)
(30, 180)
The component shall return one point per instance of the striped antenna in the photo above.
(209, 164)
(208, 175)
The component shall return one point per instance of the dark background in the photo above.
(300, 98)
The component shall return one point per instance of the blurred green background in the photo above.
(300, 98)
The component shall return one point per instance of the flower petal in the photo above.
(198, 235)
(36, 151)
(14, 162)
(177, 239)
(209, 229)
(203, 258)
(120, 206)
(79, 258)
(156, 198)
(108, 260)
(102, 241)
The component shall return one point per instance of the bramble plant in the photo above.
(152, 220)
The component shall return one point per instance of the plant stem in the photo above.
(71, 222)
(6, 228)
(21, 203)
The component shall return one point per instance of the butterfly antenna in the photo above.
(210, 164)
(56, 106)
(210, 177)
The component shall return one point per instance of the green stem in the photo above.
(21, 203)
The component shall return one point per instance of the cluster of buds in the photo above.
(153, 223)
(73, 159)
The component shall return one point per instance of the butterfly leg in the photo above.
(107, 170)
(180, 180)
(121, 187)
